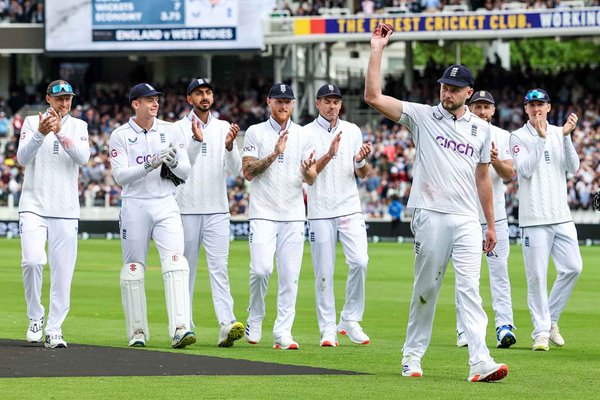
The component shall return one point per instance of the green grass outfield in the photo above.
(96, 317)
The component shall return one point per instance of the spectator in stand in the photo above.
(4, 124)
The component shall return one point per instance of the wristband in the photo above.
(359, 165)
(194, 138)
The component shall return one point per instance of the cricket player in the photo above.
(149, 159)
(334, 211)
(277, 157)
(543, 154)
(482, 104)
(203, 201)
(450, 173)
(52, 147)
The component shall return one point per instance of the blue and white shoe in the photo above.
(505, 337)
(183, 338)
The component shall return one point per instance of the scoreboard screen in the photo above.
(146, 25)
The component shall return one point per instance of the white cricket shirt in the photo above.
(131, 146)
(276, 194)
(500, 139)
(447, 153)
(542, 165)
(334, 193)
(50, 185)
(205, 191)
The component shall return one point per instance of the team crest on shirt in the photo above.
(162, 138)
(417, 247)
(474, 130)
(526, 241)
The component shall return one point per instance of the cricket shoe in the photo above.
(253, 332)
(505, 336)
(34, 331)
(461, 340)
(353, 330)
(329, 339)
(555, 336)
(411, 366)
(229, 332)
(55, 342)
(540, 343)
(183, 338)
(487, 371)
(285, 343)
(138, 339)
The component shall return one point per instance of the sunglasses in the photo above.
(61, 87)
(535, 95)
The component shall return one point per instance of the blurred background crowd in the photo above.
(104, 107)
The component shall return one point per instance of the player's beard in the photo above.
(451, 106)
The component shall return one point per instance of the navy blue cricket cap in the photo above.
(142, 90)
(59, 88)
(281, 91)
(457, 75)
(482, 95)
(198, 83)
(536, 95)
(329, 90)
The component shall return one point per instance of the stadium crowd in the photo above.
(318, 7)
(32, 11)
(104, 107)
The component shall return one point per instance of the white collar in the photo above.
(325, 124)
(202, 124)
(276, 127)
(138, 129)
(445, 114)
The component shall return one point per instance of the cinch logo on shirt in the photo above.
(460, 148)
(143, 159)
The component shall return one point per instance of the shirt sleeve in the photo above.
(30, 142)
(119, 160)
(524, 160)
(233, 161)
(75, 142)
(503, 147)
(571, 157)
(486, 148)
(250, 148)
(411, 113)
(183, 168)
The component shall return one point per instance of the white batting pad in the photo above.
(133, 295)
(176, 274)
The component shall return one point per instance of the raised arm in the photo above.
(526, 161)
(374, 97)
(251, 165)
(572, 161)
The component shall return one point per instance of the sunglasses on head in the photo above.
(61, 87)
(535, 95)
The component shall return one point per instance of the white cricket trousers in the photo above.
(145, 219)
(499, 282)
(440, 237)
(539, 242)
(212, 231)
(323, 235)
(285, 242)
(61, 235)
